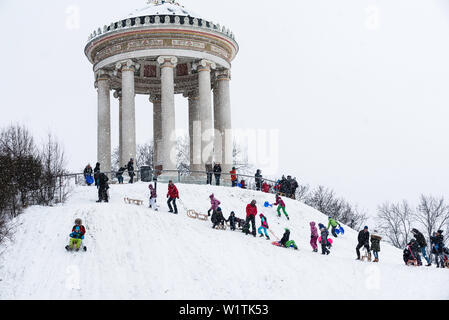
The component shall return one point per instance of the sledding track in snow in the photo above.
(136, 253)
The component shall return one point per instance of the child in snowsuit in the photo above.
(286, 242)
(313, 236)
(77, 235)
(214, 204)
(232, 220)
(324, 242)
(153, 197)
(411, 253)
(281, 206)
(375, 246)
(437, 242)
(217, 218)
(264, 227)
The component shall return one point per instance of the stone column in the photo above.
(128, 128)
(104, 122)
(118, 95)
(157, 129)
(167, 145)
(223, 144)
(195, 132)
(205, 106)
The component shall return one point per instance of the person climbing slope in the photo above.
(153, 197)
(313, 236)
(214, 204)
(375, 245)
(172, 195)
(264, 226)
(281, 206)
(334, 224)
(324, 241)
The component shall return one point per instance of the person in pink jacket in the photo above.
(314, 236)
(214, 204)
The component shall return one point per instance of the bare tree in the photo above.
(395, 221)
(240, 160)
(145, 153)
(433, 214)
(183, 154)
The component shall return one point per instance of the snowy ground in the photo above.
(135, 253)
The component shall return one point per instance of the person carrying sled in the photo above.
(251, 213)
(334, 224)
(97, 171)
(232, 221)
(281, 206)
(421, 240)
(375, 245)
(130, 168)
(88, 174)
(411, 253)
(325, 245)
(77, 235)
(437, 241)
(214, 204)
(172, 195)
(217, 218)
(286, 242)
(363, 239)
(153, 197)
(119, 174)
(103, 188)
(313, 236)
(264, 226)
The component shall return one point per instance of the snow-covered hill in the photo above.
(136, 253)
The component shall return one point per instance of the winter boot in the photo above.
(268, 238)
(315, 250)
(261, 235)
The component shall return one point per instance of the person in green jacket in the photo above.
(334, 224)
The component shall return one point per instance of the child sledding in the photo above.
(285, 241)
(77, 236)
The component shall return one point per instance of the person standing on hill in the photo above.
(103, 187)
(334, 223)
(97, 171)
(437, 241)
(324, 241)
(251, 213)
(234, 180)
(87, 174)
(264, 226)
(421, 240)
(153, 197)
(172, 195)
(363, 239)
(130, 168)
(258, 178)
(375, 245)
(214, 204)
(217, 173)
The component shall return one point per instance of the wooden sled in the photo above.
(412, 263)
(195, 215)
(367, 256)
(133, 201)
(221, 227)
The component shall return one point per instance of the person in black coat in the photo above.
(411, 253)
(232, 220)
(363, 239)
(130, 168)
(119, 174)
(217, 173)
(421, 240)
(103, 188)
(258, 178)
(437, 241)
(97, 171)
(217, 218)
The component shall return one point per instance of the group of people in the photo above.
(213, 170)
(418, 246)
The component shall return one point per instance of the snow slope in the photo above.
(136, 253)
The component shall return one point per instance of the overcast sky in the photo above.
(359, 89)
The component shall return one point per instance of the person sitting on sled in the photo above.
(217, 218)
(411, 253)
(324, 241)
(264, 227)
(153, 197)
(286, 242)
(77, 235)
(281, 206)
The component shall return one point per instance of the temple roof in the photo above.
(163, 7)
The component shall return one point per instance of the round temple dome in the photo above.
(161, 7)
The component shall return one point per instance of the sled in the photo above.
(366, 256)
(277, 244)
(84, 248)
(267, 204)
(133, 201)
(221, 227)
(90, 180)
(342, 231)
(331, 242)
(195, 215)
(412, 263)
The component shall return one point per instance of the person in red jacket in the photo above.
(251, 213)
(172, 195)
(233, 173)
(266, 187)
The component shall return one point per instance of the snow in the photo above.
(136, 253)
(163, 9)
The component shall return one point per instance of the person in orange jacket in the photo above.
(233, 173)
